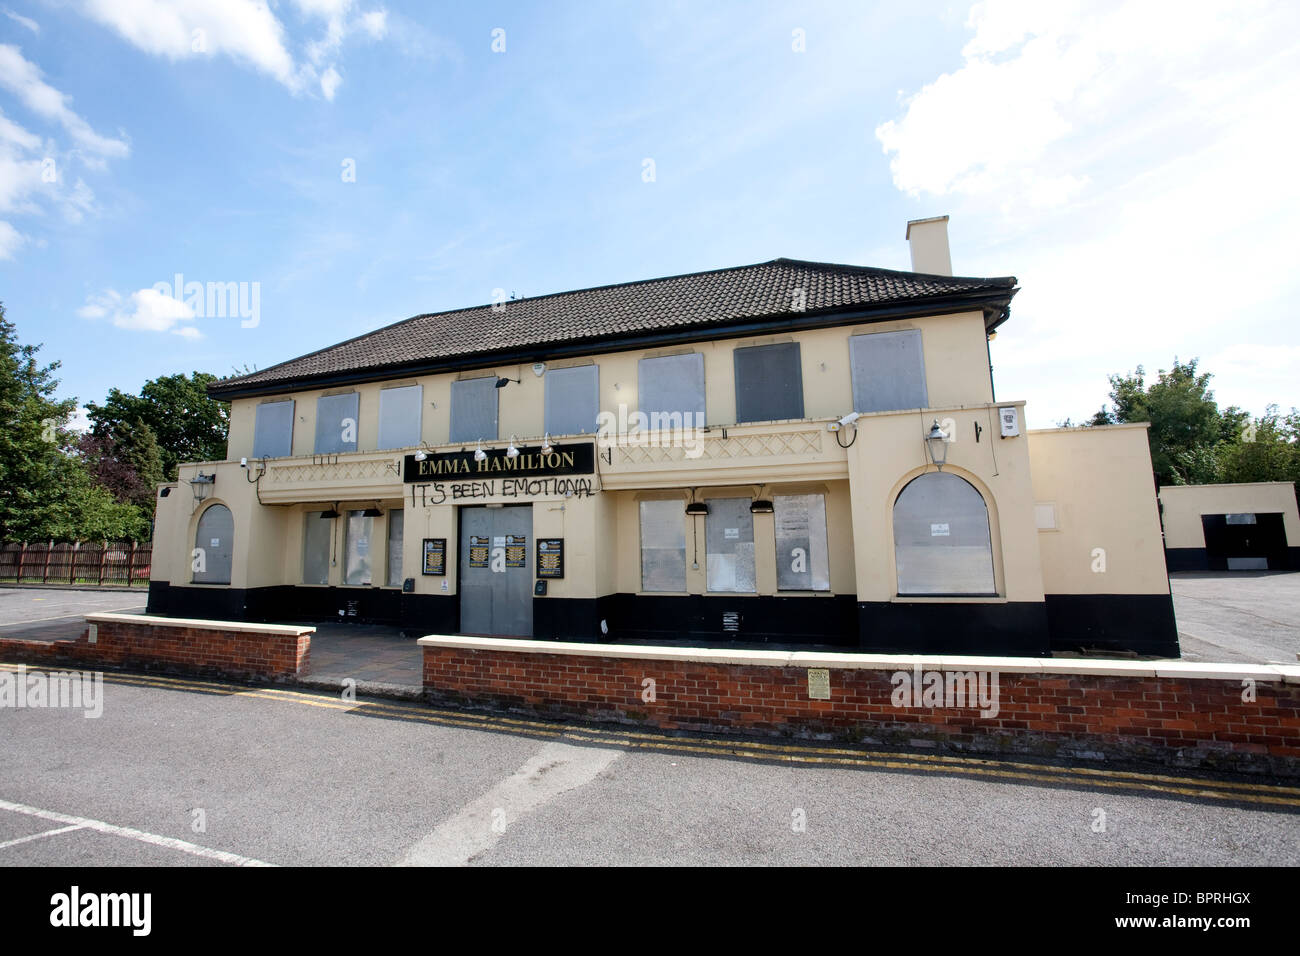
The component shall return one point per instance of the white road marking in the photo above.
(555, 769)
(69, 617)
(153, 839)
(39, 836)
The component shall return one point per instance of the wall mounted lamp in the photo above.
(502, 381)
(936, 443)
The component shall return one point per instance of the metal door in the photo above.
(1245, 542)
(496, 576)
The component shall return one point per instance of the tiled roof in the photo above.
(700, 300)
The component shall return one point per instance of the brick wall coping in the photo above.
(243, 627)
(1269, 673)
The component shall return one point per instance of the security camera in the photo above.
(848, 419)
(243, 463)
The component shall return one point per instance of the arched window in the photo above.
(941, 538)
(214, 543)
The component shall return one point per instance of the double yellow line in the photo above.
(1274, 795)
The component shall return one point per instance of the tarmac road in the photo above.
(192, 773)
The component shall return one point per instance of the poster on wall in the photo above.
(516, 546)
(435, 556)
(478, 551)
(550, 557)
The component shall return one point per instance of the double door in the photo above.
(496, 570)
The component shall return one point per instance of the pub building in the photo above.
(794, 453)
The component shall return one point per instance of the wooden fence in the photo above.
(97, 563)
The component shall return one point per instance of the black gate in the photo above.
(1245, 542)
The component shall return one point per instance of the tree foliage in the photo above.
(1193, 441)
(45, 490)
(186, 424)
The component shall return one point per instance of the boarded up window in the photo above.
(356, 550)
(888, 371)
(336, 423)
(729, 544)
(941, 538)
(474, 410)
(801, 554)
(663, 545)
(670, 391)
(395, 548)
(769, 383)
(399, 416)
(214, 546)
(572, 400)
(316, 534)
(273, 430)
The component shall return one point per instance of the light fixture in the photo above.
(421, 455)
(200, 484)
(936, 443)
(696, 508)
(479, 453)
(761, 506)
(502, 381)
(539, 369)
(547, 448)
(373, 512)
(331, 512)
(511, 450)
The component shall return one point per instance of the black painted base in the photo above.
(1199, 559)
(1014, 629)
(426, 613)
(1141, 623)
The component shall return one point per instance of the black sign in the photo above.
(576, 459)
(550, 557)
(435, 557)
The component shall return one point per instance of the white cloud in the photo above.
(329, 83)
(10, 240)
(146, 310)
(247, 31)
(27, 22)
(23, 78)
(1133, 170)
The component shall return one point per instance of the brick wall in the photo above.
(1189, 720)
(175, 646)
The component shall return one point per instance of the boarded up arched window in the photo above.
(214, 544)
(941, 538)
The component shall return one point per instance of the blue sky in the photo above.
(1131, 164)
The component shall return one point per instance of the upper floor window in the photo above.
(572, 400)
(474, 410)
(336, 423)
(888, 371)
(941, 537)
(670, 391)
(769, 383)
(399, 416)
(273, 430)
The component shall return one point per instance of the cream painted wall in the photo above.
(890, 451)
(1184, 505)
(956, 369)
(1100, 484)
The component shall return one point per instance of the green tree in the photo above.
(1265, 449)
(1184, 418)
(187, 425)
